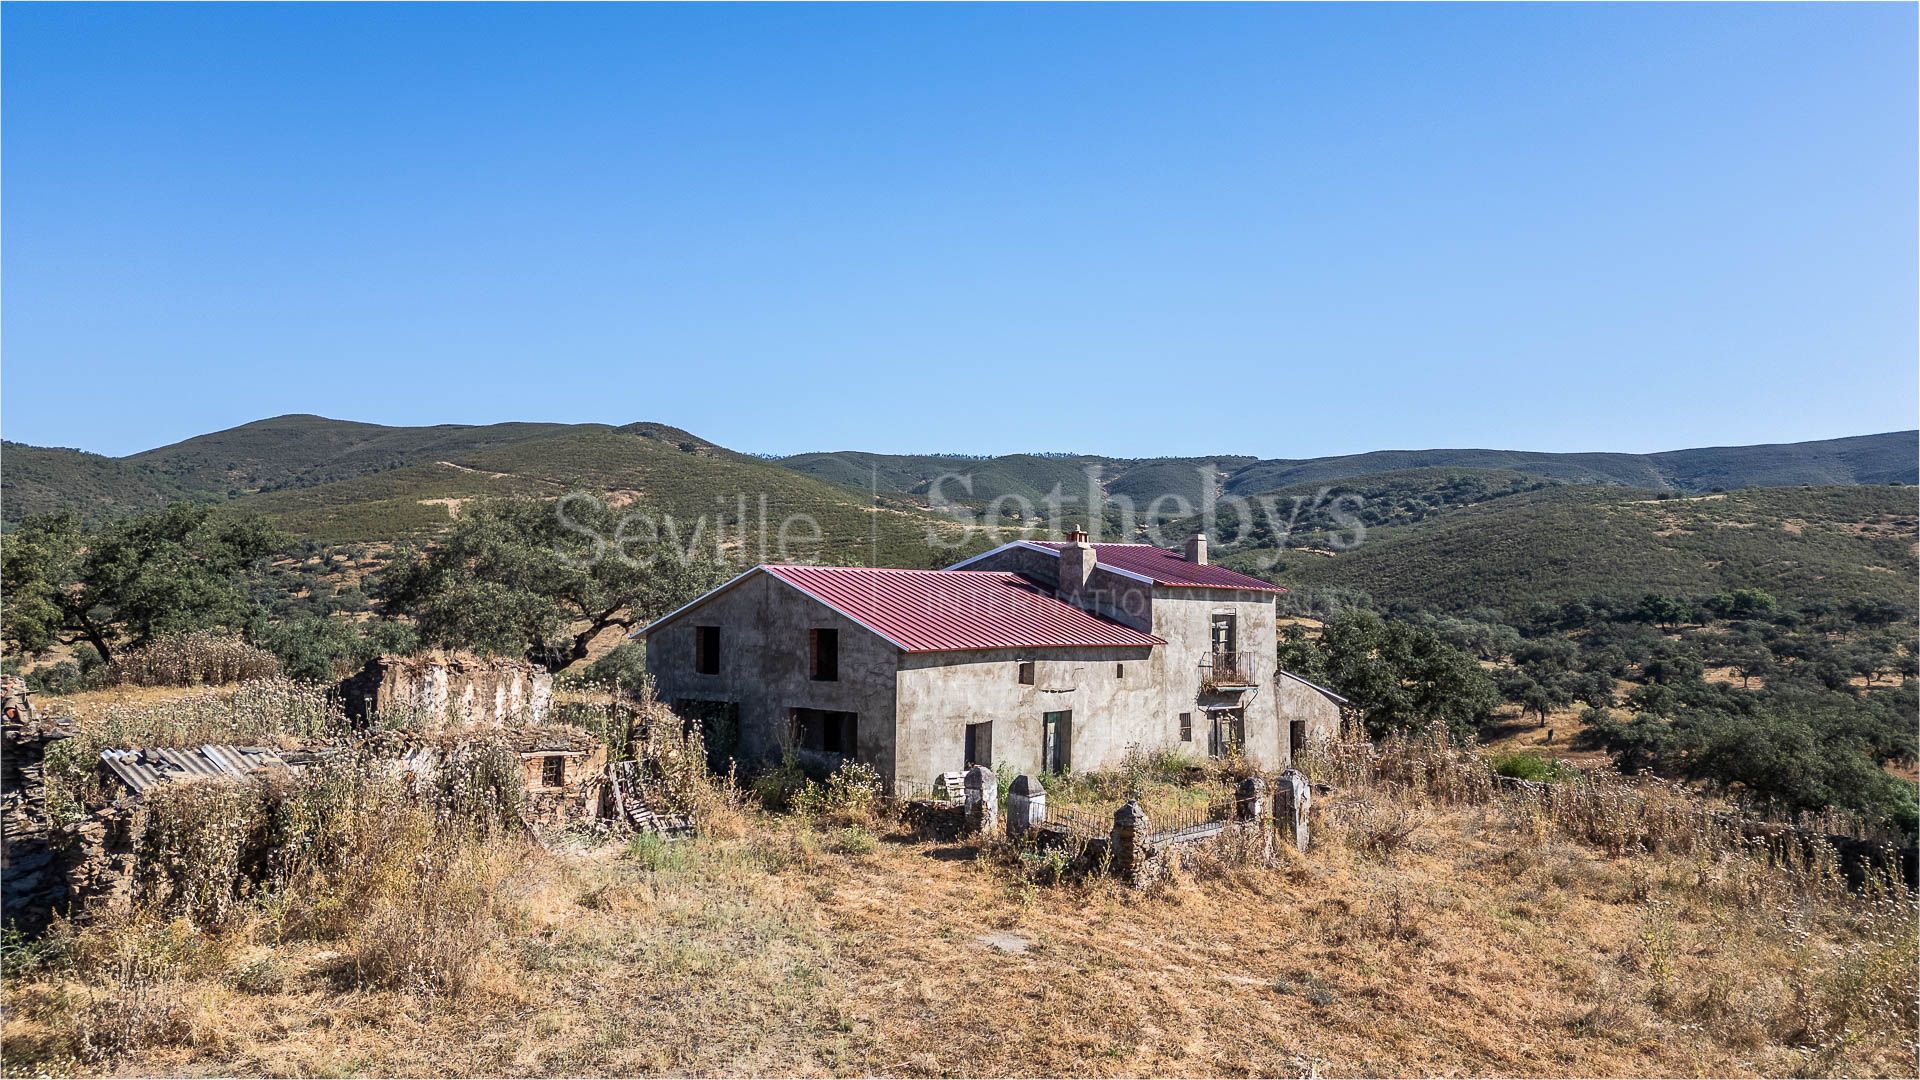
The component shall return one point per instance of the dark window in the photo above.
(1119, 671)
(706, 650)
(553, 771)
(1186, 727)
(1056, 742)
(825, 731)
(1026, 673)
(824, 646)
(980, 744)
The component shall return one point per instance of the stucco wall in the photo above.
(1184, 617)
(1298, 701)
(914, 708)
(765, 668)
(1112, 693)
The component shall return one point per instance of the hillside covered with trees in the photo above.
(1758, 642)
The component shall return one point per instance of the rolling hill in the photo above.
(1449, 529)
(37, 479)
(1823, 544)
(977, 481)
(683, 486)
(1864, 459)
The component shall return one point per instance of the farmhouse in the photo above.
(1039, 656)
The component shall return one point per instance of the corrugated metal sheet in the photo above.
(949, 610)
(142, 769)
(1171, 568)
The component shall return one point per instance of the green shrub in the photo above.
(850, 795)
(1527, 765)
(625, 666)
(780, 787)
(657, 853)
(854, 840)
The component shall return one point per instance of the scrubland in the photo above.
(1440, 924)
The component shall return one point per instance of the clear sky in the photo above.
(1279, 230)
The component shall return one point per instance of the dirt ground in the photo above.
(791, 947)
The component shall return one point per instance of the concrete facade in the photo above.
(913, 710)
(764, 663)
(1315, 708)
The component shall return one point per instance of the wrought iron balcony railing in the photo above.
(1229, 669)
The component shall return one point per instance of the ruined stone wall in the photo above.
(433, 691)
(581, 793)
(33, 870)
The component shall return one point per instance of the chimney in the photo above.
(1077, 560)
(1197, 549)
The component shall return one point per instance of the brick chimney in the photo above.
(1197, 549)
(1077, 560)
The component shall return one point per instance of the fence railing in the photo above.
(1229, 668)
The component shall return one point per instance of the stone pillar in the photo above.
(1250, 817)
(1292, 798)
(1129, 845)
(1026, 806)
(1250, 799)
(983, 799)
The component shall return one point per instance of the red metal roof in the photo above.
(1170, 568)
(947, 610)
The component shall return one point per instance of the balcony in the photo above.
(1228, 671)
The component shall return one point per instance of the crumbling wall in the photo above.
(98, 857)
(434, 691)
(33, 861)
(579, 758)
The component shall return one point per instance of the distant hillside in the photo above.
(1571, 542)
(284, 452)
(675, 480)
(1324, 515)
(302, 451)
(1446, 528)
(1865, 459)
(36, 479)
(1033, 477)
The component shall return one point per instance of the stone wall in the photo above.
(581, 792)
(436, 690)
(33, 865)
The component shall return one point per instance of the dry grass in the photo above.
(193, 659)
(1439, 926)
(1482, 940)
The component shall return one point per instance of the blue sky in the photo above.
(1279, 230)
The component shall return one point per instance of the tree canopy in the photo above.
(1403, 678)
(181, 568)
(541, 580)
